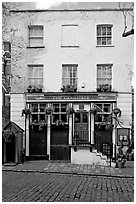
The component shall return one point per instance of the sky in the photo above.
(53, 4)
(78, 5)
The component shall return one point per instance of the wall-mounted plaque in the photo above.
(123, 135)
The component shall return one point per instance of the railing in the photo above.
(103, 145)
(81, 138)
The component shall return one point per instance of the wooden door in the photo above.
(10, 149)
(81, 126)
(38, 142)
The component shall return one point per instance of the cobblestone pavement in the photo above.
(52, 187)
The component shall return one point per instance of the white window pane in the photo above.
(36, 31)
(70, 35)
(103, 31)
(35, 42)
(40, 72)
(40, 82)
(99, 41)
(30, 72)
(98, 31)
(108, 41)
(108, 30)
(103, 41)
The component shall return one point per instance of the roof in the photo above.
(69, 10)
(14, 126)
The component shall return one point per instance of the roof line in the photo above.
(69, 10)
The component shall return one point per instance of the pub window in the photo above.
(69, 74)
(59, 113)
(70, 35)
(104, 35)
(103, 112)
(35, 75)
(35, 36)
(38, 112)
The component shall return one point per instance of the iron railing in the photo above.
(81, 138)
(103, 145)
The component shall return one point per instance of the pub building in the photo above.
(71, 84)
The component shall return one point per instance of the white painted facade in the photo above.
(86, 54)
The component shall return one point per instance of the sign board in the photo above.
(70, 97)
(123, 135)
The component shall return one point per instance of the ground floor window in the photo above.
(38, 112)
(59, 113)
(103, 112)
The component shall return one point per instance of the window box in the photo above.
(69, 89)
(35, 89)
(104, 88)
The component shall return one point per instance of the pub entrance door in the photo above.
(81, 132)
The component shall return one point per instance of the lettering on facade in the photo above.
(75, 97)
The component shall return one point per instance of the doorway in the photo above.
(10, 148)
(81, 132)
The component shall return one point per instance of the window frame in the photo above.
(69, 78)
(104, 78)
(105, 113)
(62, 43)
(35, 37)
(104, 36)
(35, 78)
(38, 112)
(60, 113)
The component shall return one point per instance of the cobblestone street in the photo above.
(51, 187)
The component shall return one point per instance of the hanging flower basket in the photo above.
(109, 126)
(70, 110)
(117, 111)
(26, 112)
(49, 110)
(93, 111)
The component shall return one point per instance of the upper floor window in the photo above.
(35, 75)
(35, 36)
(70, 35)
(104, 35)
(104, 76)
(7, 46)
(69, 75)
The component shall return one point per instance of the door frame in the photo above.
(89, 122)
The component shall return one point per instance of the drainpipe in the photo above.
(92, 126)
(70, 128)
(48, 134)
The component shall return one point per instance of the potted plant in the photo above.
(70, 110)
(40, 87)
(30, 89)
(117, 111)
(104, 88)
(120, 158)
(49, 110)
(26, 112)
(63, 89)
(69, 88)
(93, 111)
